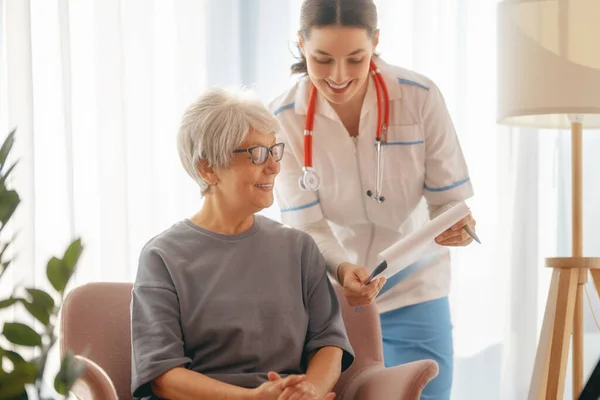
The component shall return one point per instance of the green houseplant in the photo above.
(24, 377)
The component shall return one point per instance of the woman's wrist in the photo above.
(251, 394)
(324, 369)
(319, 387)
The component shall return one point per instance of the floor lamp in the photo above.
(549, 77)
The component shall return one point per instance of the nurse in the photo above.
(372, 153)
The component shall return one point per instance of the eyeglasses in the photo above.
(260, 154)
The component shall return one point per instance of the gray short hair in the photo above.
(216, 124)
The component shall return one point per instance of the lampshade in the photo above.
(548, 62)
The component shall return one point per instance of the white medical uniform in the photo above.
(423, 159)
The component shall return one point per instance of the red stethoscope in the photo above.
(310, 179)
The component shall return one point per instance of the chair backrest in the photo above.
(95, 322)
(364, 332)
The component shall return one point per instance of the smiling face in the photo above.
(338, 60)
(243, 185)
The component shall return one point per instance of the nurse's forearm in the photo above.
(324, 369)
(183, 384)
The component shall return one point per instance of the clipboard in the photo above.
(417, 246)
(415, 250)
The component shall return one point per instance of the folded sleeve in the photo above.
(446, 173)
(301, 209)
(157, 343)
(325, 324)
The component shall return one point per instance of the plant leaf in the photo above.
(4, 247)
(6, 147)
(9, 201)
(72, 255)
(4, 266)
(8, 302)
(40, 313)
(21, 334)
(57, 274)
(14, 357)
(70, 371)
(4, 177)
(13, 384)
(24, 396)
(60, 271)
(41, 298)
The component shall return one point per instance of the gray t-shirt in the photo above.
(232, 307)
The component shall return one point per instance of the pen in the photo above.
(468, 229)
(379, 269)
(472, 233)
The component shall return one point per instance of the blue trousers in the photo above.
(417, 332)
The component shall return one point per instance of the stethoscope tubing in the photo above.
(310, 180)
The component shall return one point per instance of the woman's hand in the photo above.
(353, 278)
(272, 389)
(304, 391)
(456, 235)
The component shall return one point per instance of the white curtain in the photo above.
(96, 89)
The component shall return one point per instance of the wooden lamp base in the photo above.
(564, 308)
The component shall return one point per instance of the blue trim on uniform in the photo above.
(404, 143)
(443, 189)
(309, 205)
(283, 108)
(409, 82)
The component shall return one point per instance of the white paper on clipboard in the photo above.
(421, 243)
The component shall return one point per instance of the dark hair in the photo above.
(319, 13)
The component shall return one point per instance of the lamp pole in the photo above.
(577, 246)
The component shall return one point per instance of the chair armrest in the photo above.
(94, 383)
(404, 382)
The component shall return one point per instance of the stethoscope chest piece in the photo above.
(372, 195)
(309, 180)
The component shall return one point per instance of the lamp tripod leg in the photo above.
(596, 277)
(539, 379)
(561, 332)
(578, 336)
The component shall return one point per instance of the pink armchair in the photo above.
(95, 325)
(367, 378)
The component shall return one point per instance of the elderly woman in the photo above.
(228, 304)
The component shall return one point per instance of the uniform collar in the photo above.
(370, 102)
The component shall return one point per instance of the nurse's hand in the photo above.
(353, 278)
(456, 235)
